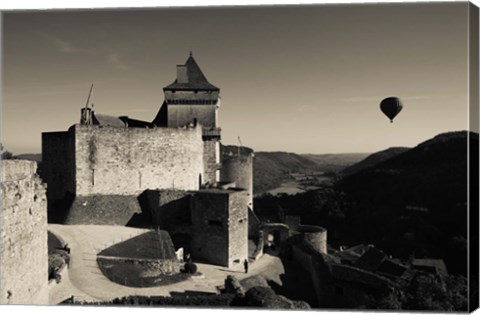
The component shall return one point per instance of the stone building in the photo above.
(111, 161)
(23, 235)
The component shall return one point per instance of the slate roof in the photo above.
(371, 259)
(196, 79)
(106, 120)
(436, 265)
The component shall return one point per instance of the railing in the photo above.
(192, 101)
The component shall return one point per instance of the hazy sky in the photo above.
(304, 79)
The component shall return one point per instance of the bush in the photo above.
(61, 253)
(55, 263)
(190, 268)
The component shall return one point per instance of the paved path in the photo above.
(87, 283)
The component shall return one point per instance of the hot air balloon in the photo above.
(391, 106)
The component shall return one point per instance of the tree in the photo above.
(6, 155)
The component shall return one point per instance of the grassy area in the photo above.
(136, 274)
(151, 245)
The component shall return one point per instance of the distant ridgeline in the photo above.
(272, 168)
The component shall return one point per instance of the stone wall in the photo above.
(238, 227)
(183, 114)
(210, 163)
(23, 235)
(220, 227)
(58, 162)
(103, 210)
(315, 265)
(127, 161)
(168, 208)
(315, 237)
(210, 227)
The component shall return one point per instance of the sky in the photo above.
(304, 79)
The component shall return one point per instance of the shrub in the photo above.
(55, 263)
(190, 268)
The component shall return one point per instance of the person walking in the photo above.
(245, 265)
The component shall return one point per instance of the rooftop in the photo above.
(195, 78)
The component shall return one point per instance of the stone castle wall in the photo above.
(127, 161)
(58, 163)
(315, 237)
(181, 115)
(23, 235)
(220, 226)
(210, 163)
(238, 227)
(168, 208)
(210, 227)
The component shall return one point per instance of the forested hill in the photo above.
(335, 162)
(374, 159)
(411, 205)
(416, 200)
(271, 168)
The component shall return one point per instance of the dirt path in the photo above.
(87, 283)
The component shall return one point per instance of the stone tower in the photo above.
(192, 100)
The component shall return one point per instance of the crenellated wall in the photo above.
(130, 160)
(122, 161)
(23, 235)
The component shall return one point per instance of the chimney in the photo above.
(182, 76)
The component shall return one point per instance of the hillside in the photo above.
(335, 162)
(271, 168)
(374, 159)
(417, 200)
(412, 204)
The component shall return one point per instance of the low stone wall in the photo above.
(366, 278)
(168, 207)
(307, 262)
(314, 237)
(164, 267)
(103, 210)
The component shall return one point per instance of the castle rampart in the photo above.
(124, 161)
(23, 235)
(315, 237)
(58, 162)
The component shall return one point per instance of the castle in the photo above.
(173, 172)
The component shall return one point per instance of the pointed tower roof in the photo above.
(190, 77)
